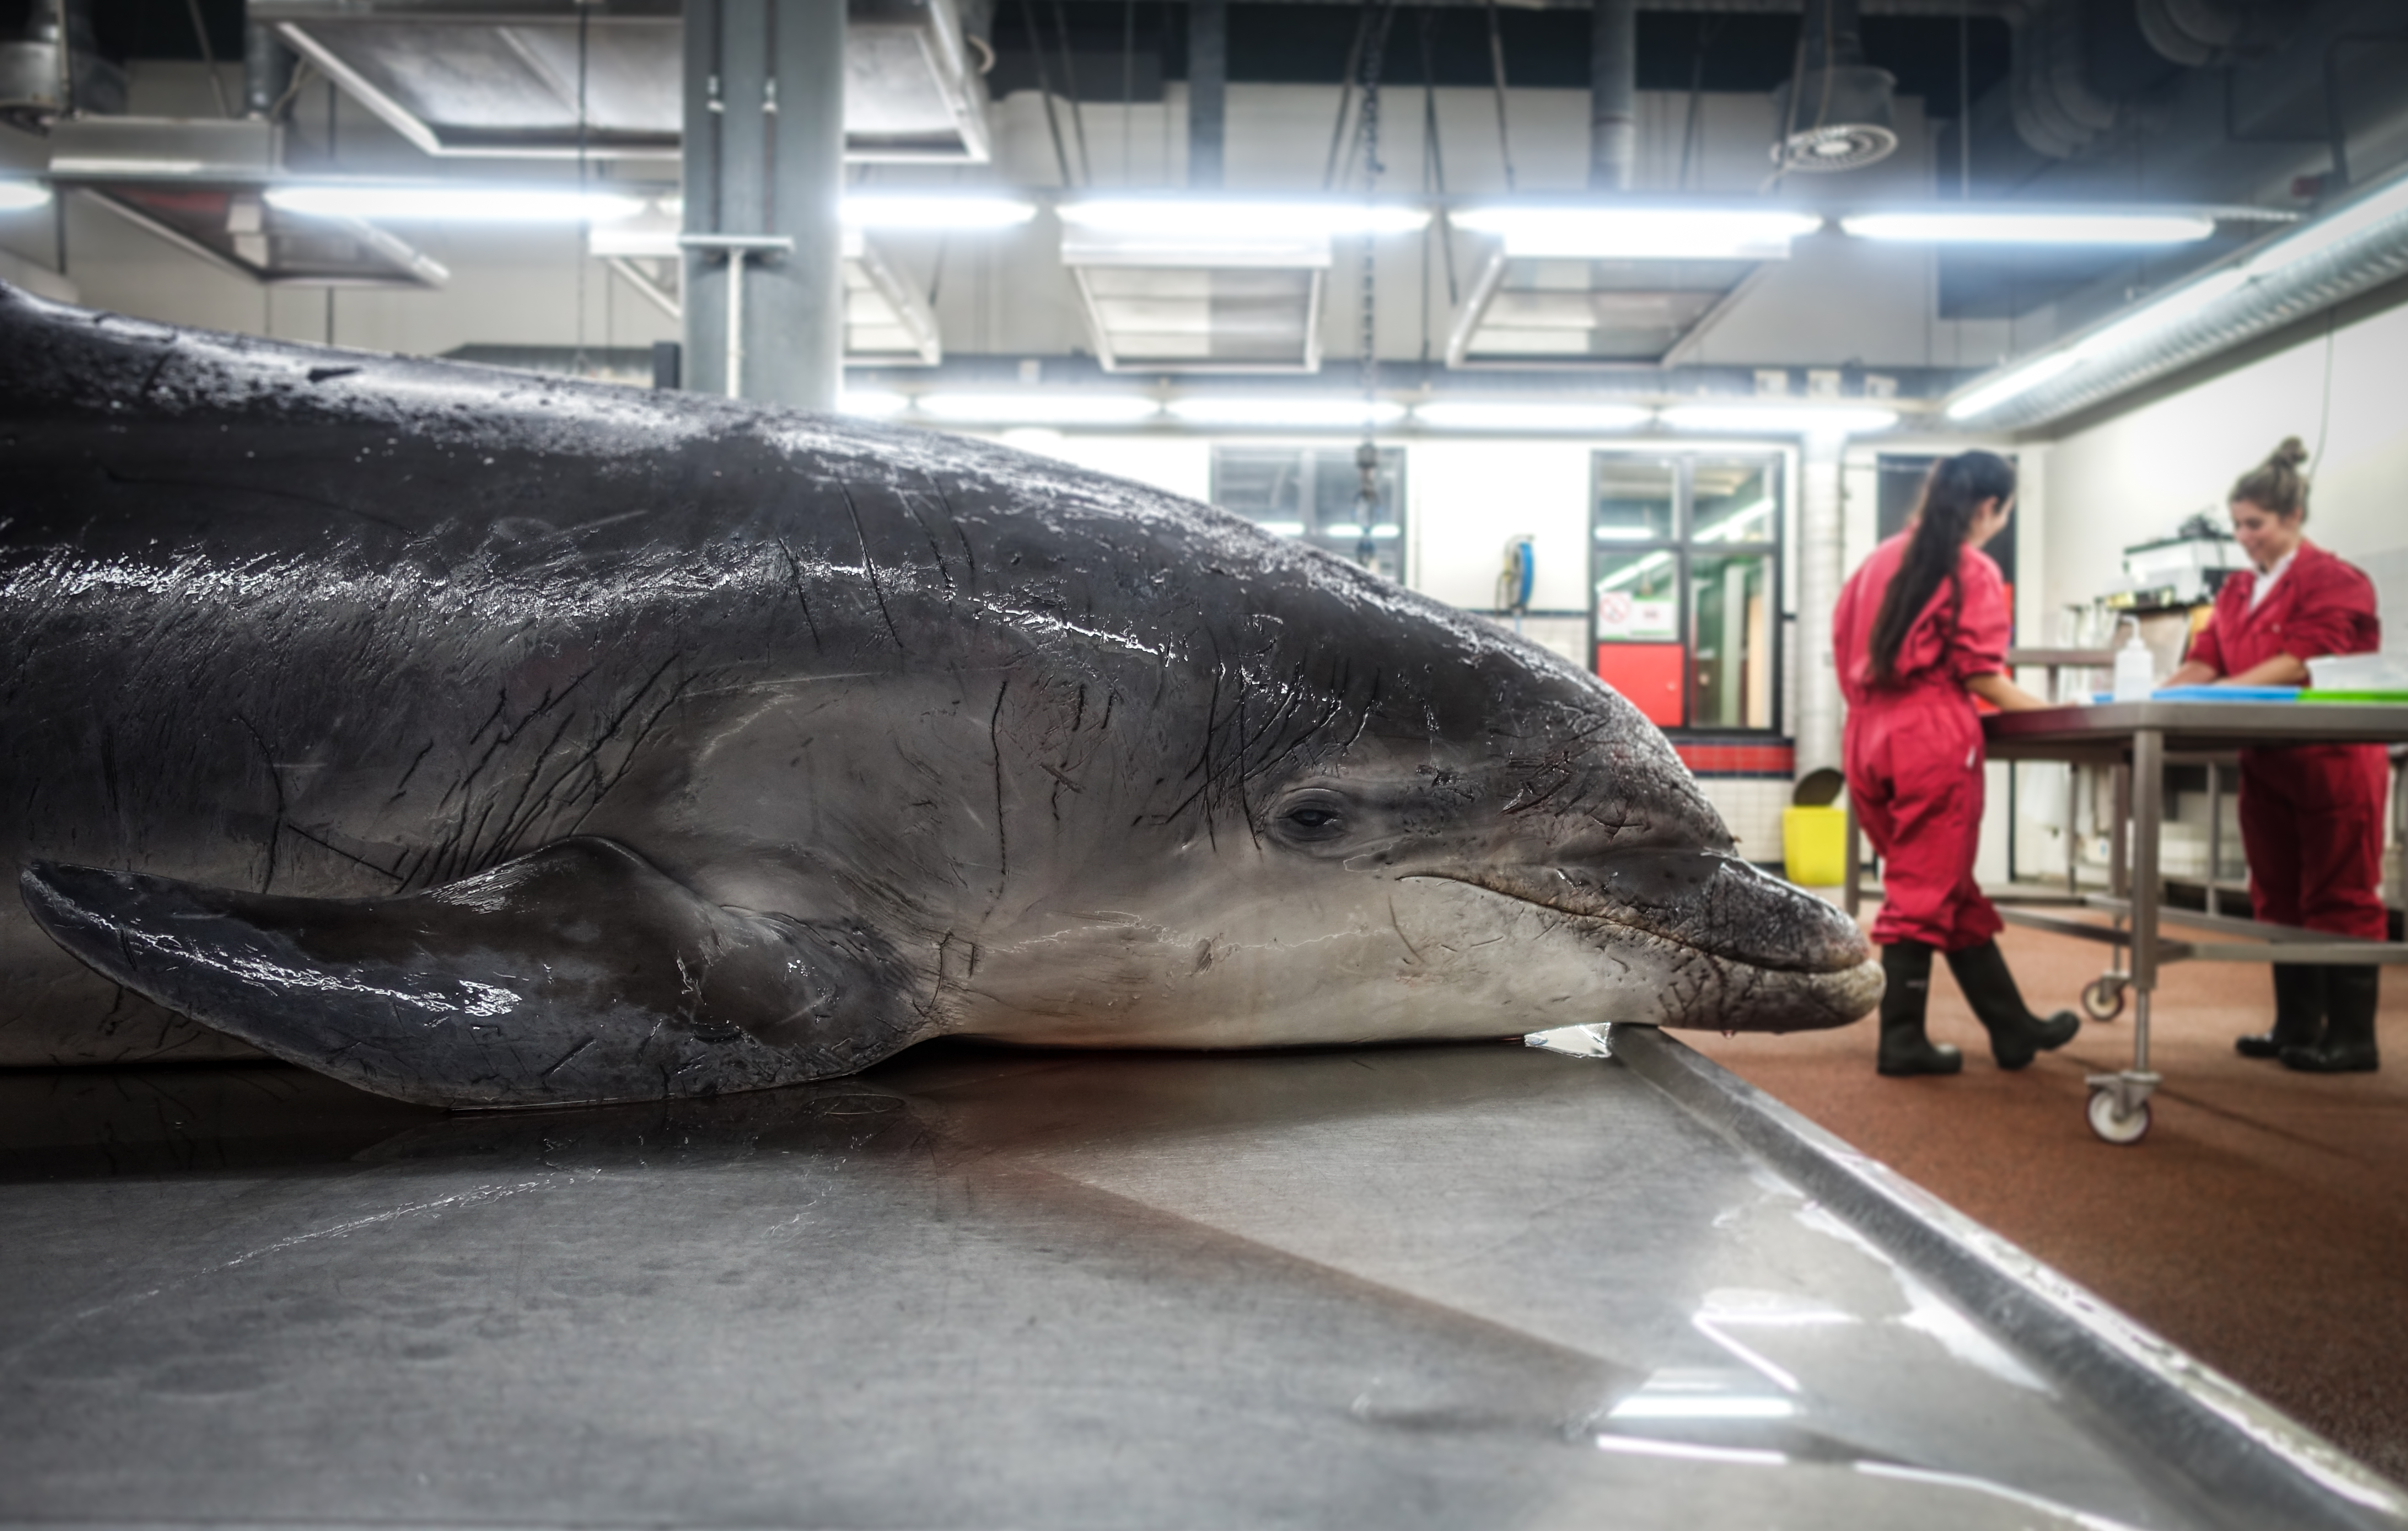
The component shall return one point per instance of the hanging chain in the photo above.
(1367, 456)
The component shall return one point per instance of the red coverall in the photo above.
(2312, 816)
(1914, 752)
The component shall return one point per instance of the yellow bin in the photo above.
(1814, 846)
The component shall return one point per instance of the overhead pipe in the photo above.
(1207, 92)
(2212, 34)
(267, 66)
(1614, 96)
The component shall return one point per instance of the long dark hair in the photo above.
(1953, 491)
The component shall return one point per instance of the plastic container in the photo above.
(2136, 670)
(2359, 672)
(1814, 846)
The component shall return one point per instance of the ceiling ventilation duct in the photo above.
(2213, 34)
(1198, 303)
(2359, 245)
(1836, 114)
(2056, 110)
(499, 76)
(197, 184)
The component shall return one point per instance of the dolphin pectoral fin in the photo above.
(579, 973)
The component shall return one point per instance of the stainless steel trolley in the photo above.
(2135, 741)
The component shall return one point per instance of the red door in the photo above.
(1650, 675)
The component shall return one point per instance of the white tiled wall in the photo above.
(1751, 806)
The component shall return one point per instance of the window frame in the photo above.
(1399, 547)
(1683, 547)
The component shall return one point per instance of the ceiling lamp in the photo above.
(1496, 415)
(456, 204)
(2031, 226)
(1779, 419)
(1213, 218)
(1272, 412)
(1033, 409)
(926, 210)
(1602, 232)
(24, 195)
(1837, 113)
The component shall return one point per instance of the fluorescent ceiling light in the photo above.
(2314, 239)
(2141, 323)
(1488, 415)
(1779, 419)
(23, 195)
(456, 204)
(1283, 528)
(1226, 218)
(935, 210)
(1641, 234)
(2000, 226)
(1033, 408)
(1276, 413)
(2160, 313)
(871, 403)
(2022, 381)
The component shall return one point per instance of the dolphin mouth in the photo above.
(1748, 951)
(1714, 904)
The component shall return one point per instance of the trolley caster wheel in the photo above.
(2103, 1000)
(2113, 1123)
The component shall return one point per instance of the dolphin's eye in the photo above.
(1315, 817)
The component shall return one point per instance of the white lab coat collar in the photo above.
(2266, 580)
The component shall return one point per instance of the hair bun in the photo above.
(2291, 454)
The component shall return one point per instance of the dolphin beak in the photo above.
(1774, 957)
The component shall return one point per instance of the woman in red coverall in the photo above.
(2312, 816)
(1921, 630)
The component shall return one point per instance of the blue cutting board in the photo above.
(2213, 694)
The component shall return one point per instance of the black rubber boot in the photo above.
(2351, 993)
(2299, 1013)
(2017, 1035)
(1904, 1048)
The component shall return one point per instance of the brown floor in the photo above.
(2262, 1225)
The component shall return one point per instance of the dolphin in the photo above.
(485, 740)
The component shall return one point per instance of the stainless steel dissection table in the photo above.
(2134, 739)
(1444, 1287)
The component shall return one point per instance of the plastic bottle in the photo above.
(2136, 669)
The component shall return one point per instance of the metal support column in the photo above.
(1819, 524)
(1208, 90)
(764, 180)
(1614, 96)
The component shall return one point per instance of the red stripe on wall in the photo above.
(1739, 759)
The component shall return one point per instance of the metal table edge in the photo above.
(2253, 1463)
